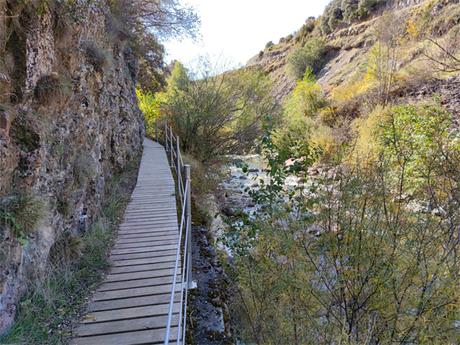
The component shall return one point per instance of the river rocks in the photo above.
(209, 299)
(63, 145)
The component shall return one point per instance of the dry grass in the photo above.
(51, 89)
(98, 57)
(22, 213)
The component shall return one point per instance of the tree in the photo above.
(310, 56)
(151, 62)
(179, 79)
(163, 18)
(217, 115)
(385, 56)
(147, 23)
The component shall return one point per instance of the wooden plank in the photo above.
(152, 260)
(147, 239)
(143, 255)
(144, 249)
(145, 244)
(142, 267)
(149, 227)
(135, 292)
(131, 302)
(143, 233)
(129, 313)
(136, 283)
(154, 336)
(139, 275)
(109, 327)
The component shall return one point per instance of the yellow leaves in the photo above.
(413, 28)
(150, 104)
(357, 85)
(367, 131)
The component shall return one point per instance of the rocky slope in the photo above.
(68, 121)
(347, 46)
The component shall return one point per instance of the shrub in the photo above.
(98, 57)
(51, 88)
(368, 129)
(21, 213)
(150, 105)
(346, 11)
(306, 98)
(365, 7)
(218, 115)
(306, 30)
(332, 15)
(310, 56)
(24, 136)
(379, 236)
(293, 136)
(269, 45)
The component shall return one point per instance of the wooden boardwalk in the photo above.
(131, 305)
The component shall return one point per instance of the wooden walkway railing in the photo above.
(143, 299)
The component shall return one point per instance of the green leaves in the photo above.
(306, 58)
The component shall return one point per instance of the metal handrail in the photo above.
(184, 248)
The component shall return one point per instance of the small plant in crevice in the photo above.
(51, 88)
(21, 213)
(24, 136)
(97, 56)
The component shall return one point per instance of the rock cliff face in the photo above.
(68, 121)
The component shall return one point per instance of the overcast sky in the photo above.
(236, 30)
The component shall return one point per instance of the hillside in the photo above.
(348, 45)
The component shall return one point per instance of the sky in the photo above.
(236, 30)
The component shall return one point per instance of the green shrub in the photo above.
(218, 115)
(294, 136)
(21, 213)
(310, 56)
(332, 15)
(269, 45)
(149, 104)
(347, 11)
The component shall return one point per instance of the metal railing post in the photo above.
(178, 169)
(166, 137)
(188, 227)
(171, 153)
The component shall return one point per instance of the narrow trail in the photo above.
(131, 305)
